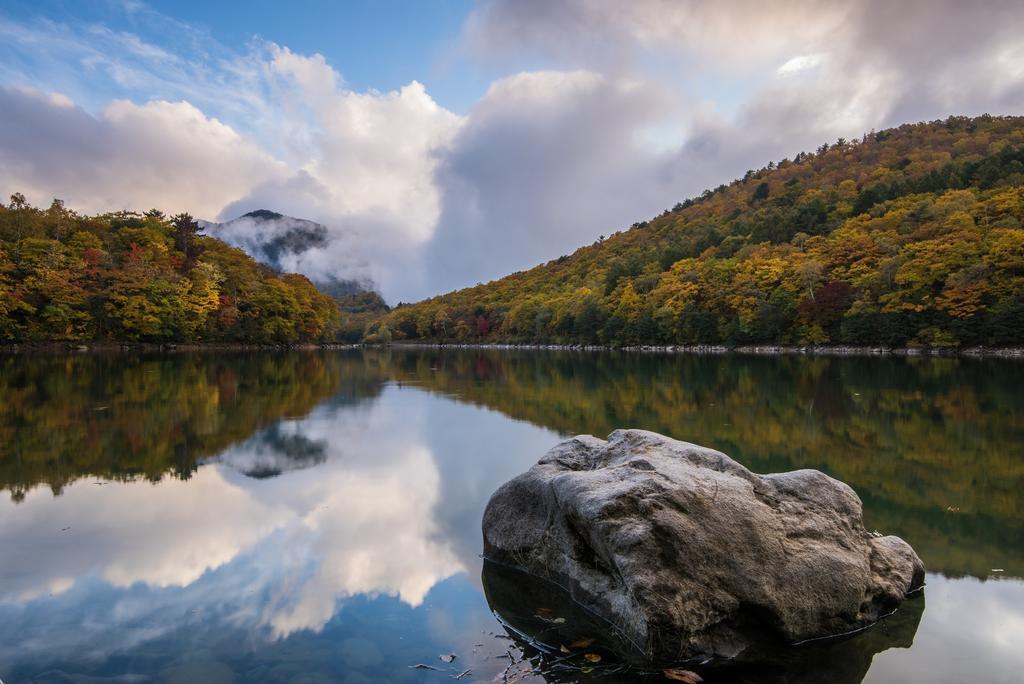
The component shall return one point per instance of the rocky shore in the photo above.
(151, 347)
(824, 350)
(764, 350)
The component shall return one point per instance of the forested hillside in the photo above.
(909, 236)
(126, 276)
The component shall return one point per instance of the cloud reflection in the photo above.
(983, 619)
(388, 507)
(165, 534)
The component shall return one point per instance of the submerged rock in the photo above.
(687, 554)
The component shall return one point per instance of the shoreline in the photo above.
(757, 350)
(760, 349)
(160, 347)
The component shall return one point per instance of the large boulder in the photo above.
(687, 554)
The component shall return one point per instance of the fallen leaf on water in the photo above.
(592, 657)
(581, 643)
(448, 658)
(563, 649)
(586, 670)
(687, 676)
(421, 666)
(559, 621)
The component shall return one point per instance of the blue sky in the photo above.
(379, 45)
(448, 142)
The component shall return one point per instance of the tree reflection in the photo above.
(122, 417)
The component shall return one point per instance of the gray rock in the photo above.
(688, 554)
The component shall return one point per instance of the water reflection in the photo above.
(265, 517)
(932, 446)
(542, 620)
(362, 522)
(121, 416)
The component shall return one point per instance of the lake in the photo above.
(315, 516)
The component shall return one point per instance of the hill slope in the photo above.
(911, 235)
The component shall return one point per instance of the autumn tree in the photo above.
(184, 230)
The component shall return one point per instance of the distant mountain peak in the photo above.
(270, 236)
(263, 215)
(277, 239)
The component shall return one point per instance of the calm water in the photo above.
(315, 517)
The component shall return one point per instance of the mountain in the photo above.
(274, 452)
(286, 243)
(908, 236)
(280, 242)
(269, 237)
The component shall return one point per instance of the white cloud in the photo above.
(730, 35)
(801, 63)
(544, 163)
(167, 155)
(60, 100)
(363, 165)
(372, 154)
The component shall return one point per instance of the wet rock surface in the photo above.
(687, 555)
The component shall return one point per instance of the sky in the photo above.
(446, 142)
